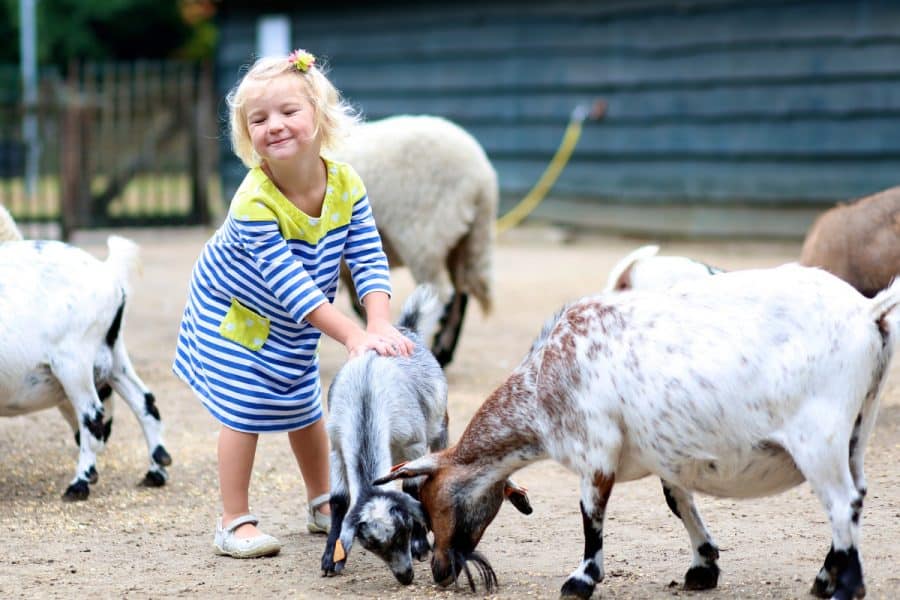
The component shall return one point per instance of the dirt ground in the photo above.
(128, 541)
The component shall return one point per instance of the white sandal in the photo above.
(316, 521)
(228, 544)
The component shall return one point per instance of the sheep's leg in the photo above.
(340, 504)
(595, 494)
(76, 378)
(704, 572)
(449, 327)
(129, 386)
(827, 468)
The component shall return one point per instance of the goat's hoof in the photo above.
(154, 479)
(702, 577)
(93, 476)
(161, 457)
(77, 491)
(577, 588)
(824, 584)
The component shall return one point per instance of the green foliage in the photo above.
(107, 30)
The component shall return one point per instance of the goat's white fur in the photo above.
(434, 195)
(9, 232)
(738, 385)
(383, 410)
(58, 306)
(643, 269)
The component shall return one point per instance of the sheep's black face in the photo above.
(384, 529)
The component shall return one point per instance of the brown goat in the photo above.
(859, 242)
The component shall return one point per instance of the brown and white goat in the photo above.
(740, 385)
(859, 242)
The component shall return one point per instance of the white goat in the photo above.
(382, 410)
(739, 385)
(434, 195)
(9, 232)
(61, 345)
(642, 269)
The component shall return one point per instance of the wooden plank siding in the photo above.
(710, 102)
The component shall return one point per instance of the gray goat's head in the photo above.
(382, 521)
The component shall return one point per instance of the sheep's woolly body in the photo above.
(434, 194)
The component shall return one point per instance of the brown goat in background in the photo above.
(859, 242)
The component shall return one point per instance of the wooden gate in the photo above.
(121, 144)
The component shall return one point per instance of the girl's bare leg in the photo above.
(236, 451)
(310, 446)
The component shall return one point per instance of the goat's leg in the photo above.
(76, 377)
(449, 327)
(595, 494)
(704, 572)
(68, 412)
(418, 541)
(826, 467)
(339, 504)
(129, 386)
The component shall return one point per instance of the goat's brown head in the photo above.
(460, 504)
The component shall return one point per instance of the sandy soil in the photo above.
(132, 542)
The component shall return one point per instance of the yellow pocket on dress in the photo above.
(244, 326)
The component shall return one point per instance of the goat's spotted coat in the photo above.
(61, 344)
(738, 385)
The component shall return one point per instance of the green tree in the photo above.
(111, 30)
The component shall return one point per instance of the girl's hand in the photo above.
(361, 341)
(400, 345)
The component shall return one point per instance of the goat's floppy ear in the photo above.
(517, 496)
(414, 507)
(425, 465)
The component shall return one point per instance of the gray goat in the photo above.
(384, 410)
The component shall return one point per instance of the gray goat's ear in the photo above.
(518, 497)
(425, 465)
(416, 511)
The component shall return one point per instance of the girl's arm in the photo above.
(336, 325)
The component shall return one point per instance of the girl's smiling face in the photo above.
(281, 121)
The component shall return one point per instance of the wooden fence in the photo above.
(120, 144)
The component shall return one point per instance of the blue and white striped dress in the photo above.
(244, 346)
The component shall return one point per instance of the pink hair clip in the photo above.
(301, 59)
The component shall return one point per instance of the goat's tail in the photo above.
(470, 262)
(421, 311)
(885, 310)
(123, 259)
(622, 267)
(8, 230)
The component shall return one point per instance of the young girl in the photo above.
(261, 291)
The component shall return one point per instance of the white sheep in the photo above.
(740, 385)
(434, 195)
(643, 269)
(61, 344)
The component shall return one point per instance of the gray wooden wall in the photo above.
(710, 102)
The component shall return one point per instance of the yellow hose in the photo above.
(531, 200)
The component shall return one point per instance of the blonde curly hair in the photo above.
(334, 115)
